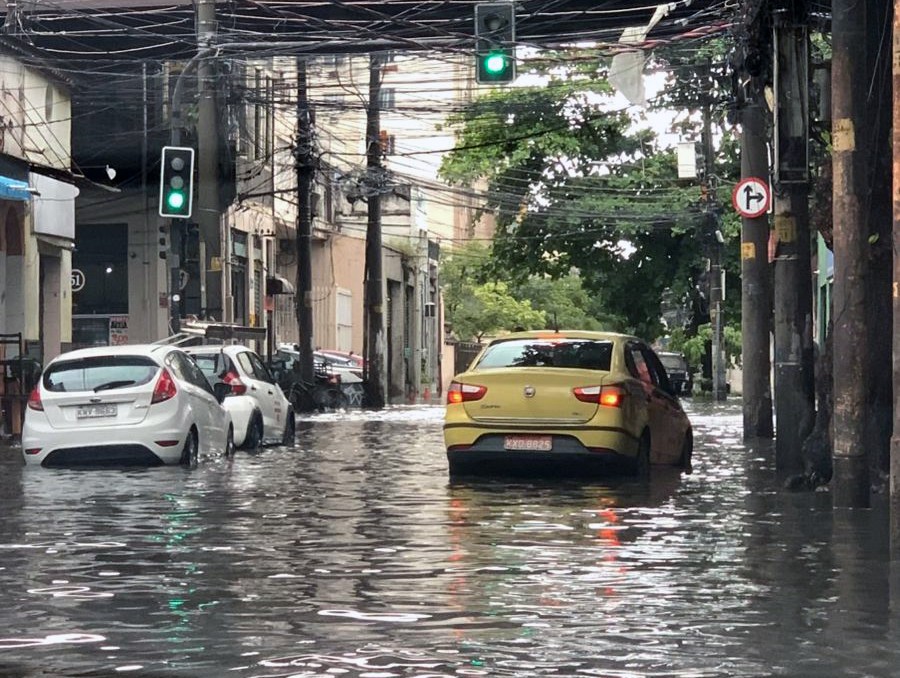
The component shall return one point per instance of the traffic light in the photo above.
(495, 37)
(176, 181)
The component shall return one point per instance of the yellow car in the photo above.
(565, 402)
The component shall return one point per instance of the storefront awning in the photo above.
(14, 189)
(276, 284)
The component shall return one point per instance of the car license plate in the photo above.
(95, 411)
(529, 443)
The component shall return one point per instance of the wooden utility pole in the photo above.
(208, 213)
(305, 165)
(848, 71)
(373, 369)
(794, 370)
(895, 199)
(756, 287)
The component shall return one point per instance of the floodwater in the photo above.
(352, 555)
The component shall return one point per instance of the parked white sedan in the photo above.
(259, 409)
(124, 405)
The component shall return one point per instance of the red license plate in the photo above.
(529, 443)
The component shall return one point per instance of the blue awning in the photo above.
(14, 189)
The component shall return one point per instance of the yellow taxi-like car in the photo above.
(565, 402)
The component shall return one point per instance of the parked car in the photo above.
(137, 404)
(565, 402)
(259, 409)
(679, 372)
(346, 358)
(344, 372)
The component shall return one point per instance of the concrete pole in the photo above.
(375, 343)
(305, 161)
(794, 369)
(756, 288)
(895, 199)
(848, 71)
(208, 214)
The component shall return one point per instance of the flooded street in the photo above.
(352, 555)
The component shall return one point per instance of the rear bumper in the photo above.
(104, 455)
(568, 457)
(81, 448)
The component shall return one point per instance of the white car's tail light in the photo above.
(34, 399)
(234, 382)
(165, 388)
(462, 393)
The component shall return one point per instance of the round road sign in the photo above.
(77, 280)
(751, 197)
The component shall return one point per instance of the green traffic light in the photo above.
(175, 200)
(495, 63)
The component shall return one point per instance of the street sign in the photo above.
(77, 280)
(751, 197)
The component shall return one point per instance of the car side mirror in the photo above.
(221, 390)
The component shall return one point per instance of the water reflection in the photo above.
(352, 554)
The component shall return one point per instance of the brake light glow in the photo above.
(607, 396)
(34, 400)
(165, 388)
(234, 382)
(461, 393)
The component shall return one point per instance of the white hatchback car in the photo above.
(142, 404)
(259, 409)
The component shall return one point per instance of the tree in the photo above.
(571, 188)
(490, 309)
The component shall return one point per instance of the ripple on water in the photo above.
(351, 554)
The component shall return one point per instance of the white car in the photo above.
(259, 409)
(139, 404)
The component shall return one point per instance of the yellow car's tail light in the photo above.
(607, 396)
(460, 393)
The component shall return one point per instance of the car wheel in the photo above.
(290, 430)
(190, 453)
(642, 461)
(687, 451)
(254, 436)
(229, 442)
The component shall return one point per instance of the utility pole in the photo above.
(716, 243)
(208, 209)
(756, 288)
(305, 164)
(849, 73)
(375, 340)
(794, 372)
(895, 436)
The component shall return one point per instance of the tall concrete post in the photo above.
(305, 163)
(794, 369)
(208, 213)
(895, 198)
(756, 287)
(374, 279)
(849, 73)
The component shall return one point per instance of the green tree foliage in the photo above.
(490, 309)
(572, 188)
(566, 304)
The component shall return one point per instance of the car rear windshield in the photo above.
(584, 354)
(213, 365)
(101, 373)
(672, 362)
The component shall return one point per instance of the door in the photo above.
(657, 413)
(262, 388)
